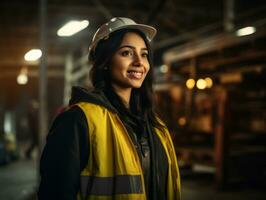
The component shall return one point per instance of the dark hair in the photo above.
(141, 98)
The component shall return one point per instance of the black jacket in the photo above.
(67, 149)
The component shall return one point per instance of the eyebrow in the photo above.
(132, 47)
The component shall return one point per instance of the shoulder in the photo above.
(72, 115)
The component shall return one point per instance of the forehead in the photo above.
(133, 39)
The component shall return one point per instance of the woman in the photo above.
(110, 144)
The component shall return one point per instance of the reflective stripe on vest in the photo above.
(122, 184)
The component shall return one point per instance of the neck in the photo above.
(124, 94)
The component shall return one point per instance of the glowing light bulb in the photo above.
(22, 79)
(190, 83)
(246, 31)
(201, 84)
(72, 27)
(33, 55)
(209, 82)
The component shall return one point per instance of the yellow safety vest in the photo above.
(114, 168)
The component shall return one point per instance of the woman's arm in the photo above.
(64, 156)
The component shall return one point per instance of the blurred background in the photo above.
(210, 61)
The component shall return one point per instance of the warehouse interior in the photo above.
(209, 81)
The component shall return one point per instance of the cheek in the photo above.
(113, 73)
(114, 68)
(147, 67)
(119, 67)
(116, 72)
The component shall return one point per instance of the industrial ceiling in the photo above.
(178, 22)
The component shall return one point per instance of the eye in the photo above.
(145, 54)
(127, 53)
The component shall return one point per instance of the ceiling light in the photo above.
(209, 82)
(22, 78)
(72, 27)
(201, 84)
(246, 31)
(190, 83)
(33, 55)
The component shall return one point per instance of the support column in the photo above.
(42, 75)
(221, 138)
(68, 78)
(229, 15)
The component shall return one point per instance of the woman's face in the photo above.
(130, 65)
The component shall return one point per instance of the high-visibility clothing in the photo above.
(114, 169)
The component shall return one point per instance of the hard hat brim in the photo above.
(147, 30)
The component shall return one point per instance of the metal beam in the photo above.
(18, 62)
(33, 73)
(107, 14)
(207, 45)
(210, 63)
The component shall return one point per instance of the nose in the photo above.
(137, 60)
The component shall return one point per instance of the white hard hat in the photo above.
(119, 23)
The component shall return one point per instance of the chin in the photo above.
(136, 85)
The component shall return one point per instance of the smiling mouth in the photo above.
(135, 74)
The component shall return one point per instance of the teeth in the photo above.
(136, 74)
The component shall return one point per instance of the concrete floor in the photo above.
(205, 189)
(18, 181)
